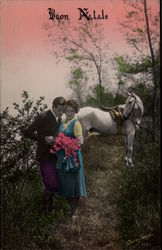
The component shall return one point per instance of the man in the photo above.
(44, 130)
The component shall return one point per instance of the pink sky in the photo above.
(27, 63)
(22, 21)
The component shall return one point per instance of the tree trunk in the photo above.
(153, 71)
(100, 85)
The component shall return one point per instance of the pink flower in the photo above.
(68, 144)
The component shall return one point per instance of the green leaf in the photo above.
(64, 39)
(25, 94)
(131, 13)
(73, 51)
(140, 30)
(133, 40)
(121, 82)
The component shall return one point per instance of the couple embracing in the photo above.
(59, 174)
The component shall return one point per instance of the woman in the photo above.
(72, 179)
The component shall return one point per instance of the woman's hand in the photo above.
(80, 139)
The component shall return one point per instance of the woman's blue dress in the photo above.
(71, 177)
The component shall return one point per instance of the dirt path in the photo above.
(93, 227)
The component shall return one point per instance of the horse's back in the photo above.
(97, 119)
(86, 111)
(92, 113)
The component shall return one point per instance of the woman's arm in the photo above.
(78, 132)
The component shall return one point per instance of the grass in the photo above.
(139, 214)
(23, 225)
(99, 214)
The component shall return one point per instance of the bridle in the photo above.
(131, 115)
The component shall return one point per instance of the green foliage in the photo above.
(64, 39)
(121, 82)
(108, 99)
(73, 57)
(17, 155)
(130, 14)
(91, 101)
(139, 214)
(97, 90)
(77, 74)
(127, 67)
(123, 66)
(23, 225)
(140, 30)
(94, 98)
(133, 40)
(119, 99)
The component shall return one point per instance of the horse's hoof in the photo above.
(129, 164)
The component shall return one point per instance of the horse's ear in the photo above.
(133, 94)
(129, 93)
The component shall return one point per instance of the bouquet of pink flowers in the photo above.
(68, 145)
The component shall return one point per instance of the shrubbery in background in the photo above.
(17, 155)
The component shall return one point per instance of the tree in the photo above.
(78, 85)
(82, 44)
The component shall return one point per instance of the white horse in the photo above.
(102, 121)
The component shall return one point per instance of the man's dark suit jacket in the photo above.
(44, 125)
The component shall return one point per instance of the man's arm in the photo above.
(31, 131)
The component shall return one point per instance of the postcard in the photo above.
(99, 59)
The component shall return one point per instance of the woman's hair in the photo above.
(59, 101)
(73, 104)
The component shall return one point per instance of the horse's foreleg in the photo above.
(129, 148)
(126, 150)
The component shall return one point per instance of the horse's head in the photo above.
(133, 108)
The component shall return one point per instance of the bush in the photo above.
(17, 154)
